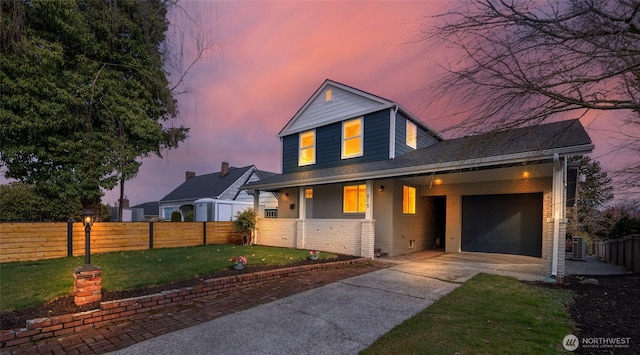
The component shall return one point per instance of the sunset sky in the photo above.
(269, 58)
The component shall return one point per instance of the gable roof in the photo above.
(528, 144)
(346, 102)
(208, 185)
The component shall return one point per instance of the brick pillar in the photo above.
(87, 284)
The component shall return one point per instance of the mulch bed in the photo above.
(65, 305)
(608, 309)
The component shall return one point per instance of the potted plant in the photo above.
(314, 254)
(238, 262)
(244, 225)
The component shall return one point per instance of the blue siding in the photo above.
(290, 153)
(424, 138)
(329, 144)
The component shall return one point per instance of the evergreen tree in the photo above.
(84, 93)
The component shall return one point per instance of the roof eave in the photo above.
(431, 168)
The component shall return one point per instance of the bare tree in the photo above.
(517, 63)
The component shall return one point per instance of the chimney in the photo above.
(124, 202)
(225, 169)
(189, 174)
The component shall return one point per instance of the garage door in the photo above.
(505, 224)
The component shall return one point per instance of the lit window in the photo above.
(412, 134)
(307, 148)
(352, 138)
(354, 199)
(327, 95)
(308, 193)
(408, 200)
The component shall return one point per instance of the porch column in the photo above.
(256, 207)
(302, 204)
(368, 214)
(302, 216)
(558, 210)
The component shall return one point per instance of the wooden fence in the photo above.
(35, 241)
(623, 251)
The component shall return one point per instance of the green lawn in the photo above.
(489, 314)
(26, 284)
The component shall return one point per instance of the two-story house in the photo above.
(361, 175)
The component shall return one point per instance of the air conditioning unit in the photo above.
(579, 248)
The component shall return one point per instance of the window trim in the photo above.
(411, 141)
(343, 155)
(301, 148)
(408, 204)
(360, 188)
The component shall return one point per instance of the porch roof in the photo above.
(493, 149)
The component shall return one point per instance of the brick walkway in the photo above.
(114, 336)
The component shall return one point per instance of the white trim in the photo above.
(384, 103)
(368, 212)
(433, 168)
(392, 130)
(343, 155)
(302, 204)
(313, 161)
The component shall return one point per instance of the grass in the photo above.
(489, 314)
(31, 283)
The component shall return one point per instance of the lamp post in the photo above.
(87, 279)
(87, 220)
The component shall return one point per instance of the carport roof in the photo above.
(496, 148)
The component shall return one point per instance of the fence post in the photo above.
(70, 237)
(150, 235)
(204, 233)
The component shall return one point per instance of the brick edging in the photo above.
(118, 310)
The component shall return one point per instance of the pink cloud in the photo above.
(271, 57)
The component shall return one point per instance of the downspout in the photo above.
(392, 131)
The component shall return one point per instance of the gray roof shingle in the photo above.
(530, 142)
(208, 185)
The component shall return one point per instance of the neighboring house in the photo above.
(150, 210)
(217, 187)
(363, 176)
(138, 213)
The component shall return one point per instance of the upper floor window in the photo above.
(412, 134)
(308, 193)
(328, 95)
(352, 138)
(354, 199)
(307, 154)
(408, 200)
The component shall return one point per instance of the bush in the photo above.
(244, 224)
(176, 216)
(190, 216)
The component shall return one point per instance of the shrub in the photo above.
(244, 224)
(190, 216)
(176, 216)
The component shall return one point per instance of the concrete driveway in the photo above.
(343, 317)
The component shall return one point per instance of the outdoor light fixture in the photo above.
(87, 220)
(381, 188)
